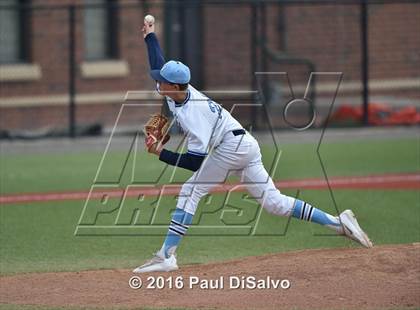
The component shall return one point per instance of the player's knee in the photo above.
(186, 189)
(275, 209)
(184, 194)
(190, 196)
(277, 204)
(197, 193)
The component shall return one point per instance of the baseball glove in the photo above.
(155, 130)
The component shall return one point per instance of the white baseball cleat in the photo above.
(158, 263)
(352, 229)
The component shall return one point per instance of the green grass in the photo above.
(40, 237)
(37, 237)
(52, 172)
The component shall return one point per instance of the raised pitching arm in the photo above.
(156, 59)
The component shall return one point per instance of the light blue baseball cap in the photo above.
(173, 71)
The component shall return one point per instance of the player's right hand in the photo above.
(147, 28)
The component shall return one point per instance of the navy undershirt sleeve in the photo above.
(156, 59)
(187, 161)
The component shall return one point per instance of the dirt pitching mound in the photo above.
(382, 277)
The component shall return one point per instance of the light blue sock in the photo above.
(180, 222)
(306, 212)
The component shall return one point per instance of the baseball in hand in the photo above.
(149, 19)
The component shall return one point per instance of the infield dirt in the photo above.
(345, 278)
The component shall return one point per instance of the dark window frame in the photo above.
(112, 50)
(24, 34)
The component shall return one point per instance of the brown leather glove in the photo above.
(156, 130)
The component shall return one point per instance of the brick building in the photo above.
(214, 39)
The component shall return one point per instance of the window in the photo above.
(14, 32)
(100, 29)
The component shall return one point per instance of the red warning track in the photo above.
(385, 181)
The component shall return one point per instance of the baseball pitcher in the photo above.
(218, 146)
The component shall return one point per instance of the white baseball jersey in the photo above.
(204, 121)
